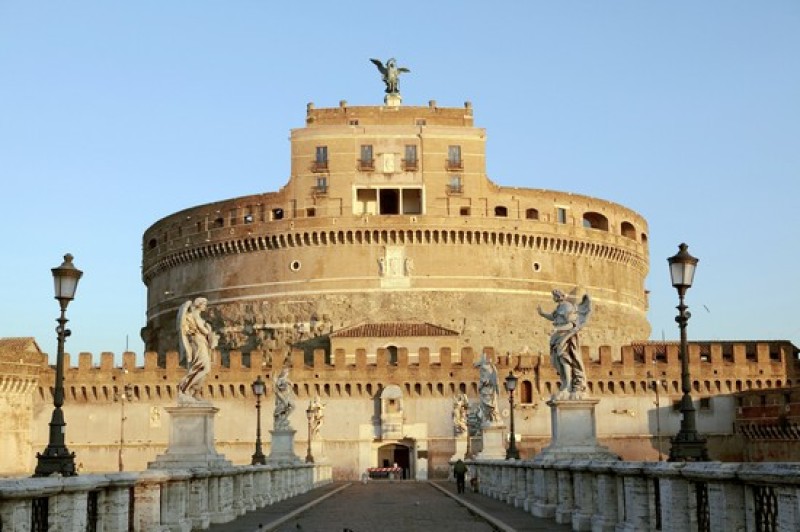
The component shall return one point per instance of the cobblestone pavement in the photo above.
(386, 506)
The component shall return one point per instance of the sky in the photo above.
(116, 114)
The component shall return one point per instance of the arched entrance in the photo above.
(397, 453)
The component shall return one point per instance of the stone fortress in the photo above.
(379, 274)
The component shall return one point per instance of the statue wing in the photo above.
(584, 311)
(403, 69)
(183, 340)
(378, 63)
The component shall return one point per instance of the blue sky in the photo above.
(115, 114)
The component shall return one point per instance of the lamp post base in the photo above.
(55, 460)
(688, 448)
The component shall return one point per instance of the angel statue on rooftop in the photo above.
(568, 320)
(196, 340)
(390, 74)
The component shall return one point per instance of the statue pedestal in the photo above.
(494, 446)
(318, 451)
(461, 447)
(282, 447)
(574, 431)
(191, 439)
(393, 99)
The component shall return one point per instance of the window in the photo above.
(531, 214)
(595, 220)
(366, 162)
(321, 159)
(561, 215)
(322, 185)
(277, 214)
(410, 161)
(455, 185)
(464, 211)
(454, 158)
(500, 211)
(705, 403)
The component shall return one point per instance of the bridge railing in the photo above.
(642, 496)
(150, 500)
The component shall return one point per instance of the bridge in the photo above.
(595, 495)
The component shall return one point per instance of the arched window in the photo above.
(628, 230)
(526, 392)
(531, 214)
(501, 211)
(392, 350)
(595, 220)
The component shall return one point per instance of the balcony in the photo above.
(319, 166)
(455, 189)
(454, 165)
(320, 190)
(366, 165)
(410, 165)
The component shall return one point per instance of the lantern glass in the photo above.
(258, 386)
(511, 382)
(65, 279)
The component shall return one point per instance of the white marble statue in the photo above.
(568, 320)
(460, 408)
(317, 408)
(195, 343)
(284, 401)
(488, 390)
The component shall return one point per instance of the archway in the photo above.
(396, 453)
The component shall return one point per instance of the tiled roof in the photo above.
(19, 345)
(392, 329)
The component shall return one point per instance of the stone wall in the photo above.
(629, 421)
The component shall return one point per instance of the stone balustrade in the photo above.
(152, 500)
(604, 496)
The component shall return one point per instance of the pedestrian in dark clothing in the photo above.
(460, 472)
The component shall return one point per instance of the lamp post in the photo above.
(511, 385)
(124, 397)
(309, 417)
(258, 389)
(56, 458)
(687, 445)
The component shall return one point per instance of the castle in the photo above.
(379, 274)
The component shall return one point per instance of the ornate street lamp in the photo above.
(258, 389)
(511, 385)
(309, 417)
(687, 445)
(56, 458)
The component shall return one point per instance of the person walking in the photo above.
(460, 472)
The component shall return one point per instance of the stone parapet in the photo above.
(667, 496)
(159, 500)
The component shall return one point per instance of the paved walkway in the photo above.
(384, 506)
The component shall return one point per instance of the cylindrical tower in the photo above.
(388, 215)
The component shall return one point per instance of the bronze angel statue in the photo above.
(390, 74)
(568, 320)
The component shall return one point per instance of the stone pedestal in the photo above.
(191, 439)
(282, 447)
(461, 447)
(393, 99)
(494, 447)
(574, 431)
(318, 451)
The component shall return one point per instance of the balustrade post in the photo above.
(546, 489)
(678, 509)
(239, 504)
(197, 506)
(147, 503)
(506, 480)
(566, 499)
(174, 496)
(606, 504)
(726, 496)
(520, 487)
(584, 490)
(115, 507)
(635, 514)
(530, 487)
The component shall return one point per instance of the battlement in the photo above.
(432, 115)
(716, 368)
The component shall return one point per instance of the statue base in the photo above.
(461, 447)
(318, 451)
(574, 429)
(282, 447)
(191, 439)
(494, 446)
(393, 99)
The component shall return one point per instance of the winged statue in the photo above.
(390, 74)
